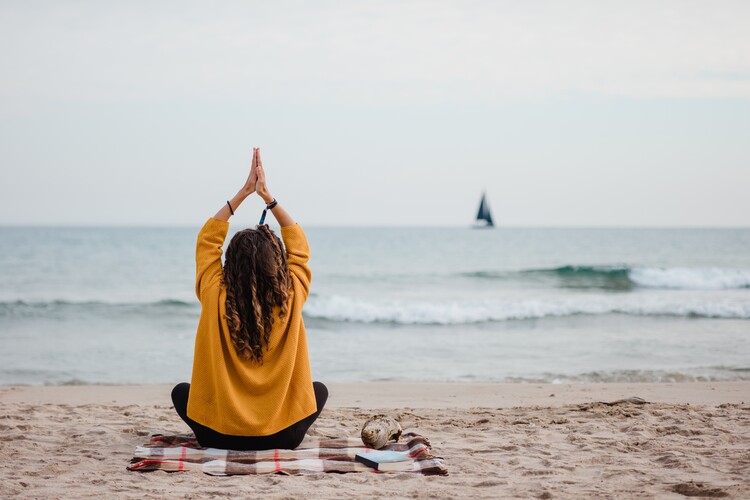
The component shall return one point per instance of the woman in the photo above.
(251, 386)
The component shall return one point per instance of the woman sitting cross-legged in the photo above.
(251, 385)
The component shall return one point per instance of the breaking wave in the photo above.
(626, 277)
(345, 309)
(690, 278)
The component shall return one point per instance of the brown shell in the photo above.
(379, 430)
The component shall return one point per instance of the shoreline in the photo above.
(367, 395)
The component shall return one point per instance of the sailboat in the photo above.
(484, 218)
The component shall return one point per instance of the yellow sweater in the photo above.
(241, 397)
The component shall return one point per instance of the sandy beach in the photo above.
(498, 440)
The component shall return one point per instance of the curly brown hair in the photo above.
(257, 281)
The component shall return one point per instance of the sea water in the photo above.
(117, 305)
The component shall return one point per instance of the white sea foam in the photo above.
(690, 278)
(338, 308)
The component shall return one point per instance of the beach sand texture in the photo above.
(75, 442)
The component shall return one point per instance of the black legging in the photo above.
(288, 438)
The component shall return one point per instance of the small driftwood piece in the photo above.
(379, 430)
(633, 400)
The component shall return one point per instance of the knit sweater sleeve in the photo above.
(297, 256)
(208, 254)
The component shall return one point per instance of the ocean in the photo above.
(118, 306)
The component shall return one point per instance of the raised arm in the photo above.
(297, 257)
(295, 241)
(213, 233)
(281, 215)
(208, 254)
(227, 210)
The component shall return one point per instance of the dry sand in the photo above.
(499, 440)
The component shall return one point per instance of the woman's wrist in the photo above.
(268, 199)
(237, 199)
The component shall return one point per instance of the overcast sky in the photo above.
(377, 113)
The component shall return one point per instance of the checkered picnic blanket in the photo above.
(315, 455)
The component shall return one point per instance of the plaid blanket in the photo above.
(315, 455)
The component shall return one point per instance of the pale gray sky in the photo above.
(377, 113)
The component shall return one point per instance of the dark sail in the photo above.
(484, 212)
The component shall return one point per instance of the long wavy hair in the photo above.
(257, 281)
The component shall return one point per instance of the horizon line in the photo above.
(375, 226)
